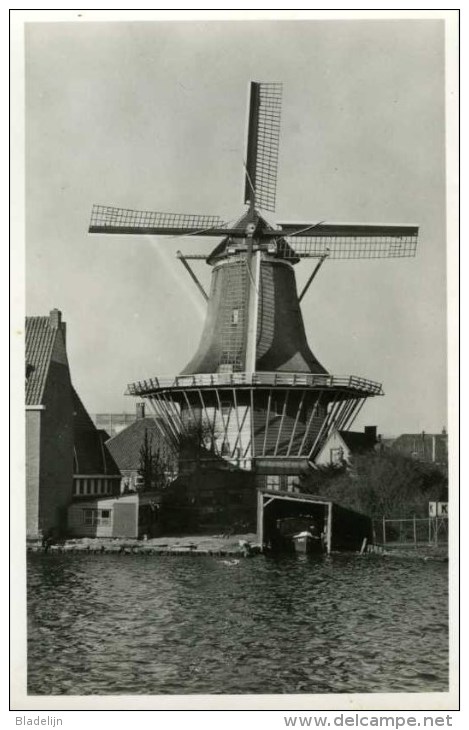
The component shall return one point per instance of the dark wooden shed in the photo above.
(343, 529)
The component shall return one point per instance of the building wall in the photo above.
(277, 432)
(33, 465)
(125, 519)
(334, 442)
(211, 500)
(89, 485)
(281, 337)
(291, 429)
(230, 426)
(122, 520)
(56, 468)
(222, 342)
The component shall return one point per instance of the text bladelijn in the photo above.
(49, 720)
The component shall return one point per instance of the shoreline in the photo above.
(240, 546)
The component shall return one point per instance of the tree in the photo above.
(378, 484)
(198, 440)
(154, 467)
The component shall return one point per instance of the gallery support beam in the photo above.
(311, 278)
(194, 278)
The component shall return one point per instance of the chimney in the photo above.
(140, 407)
(55, 319)
(370, 433)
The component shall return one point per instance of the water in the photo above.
(110, 624)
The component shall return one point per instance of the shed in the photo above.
(343, 529)
(125, 515)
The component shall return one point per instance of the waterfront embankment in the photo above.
(217, 545)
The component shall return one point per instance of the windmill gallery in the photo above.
(254, 409)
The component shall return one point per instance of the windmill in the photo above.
(266, 402)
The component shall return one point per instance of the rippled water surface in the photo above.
(110, 624)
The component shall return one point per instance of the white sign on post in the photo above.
(442, 509)
(432, 509)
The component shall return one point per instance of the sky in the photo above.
(152, 115)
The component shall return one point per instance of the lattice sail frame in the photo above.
(239, 427)
(108, 219)
(346, 247)
(265, 108)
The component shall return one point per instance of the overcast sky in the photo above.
(152, 116)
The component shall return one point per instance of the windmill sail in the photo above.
(350, 240)
(106, 219)
(262, 144)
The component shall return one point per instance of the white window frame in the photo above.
(273, 482)
(94, 517)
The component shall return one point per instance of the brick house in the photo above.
(66, 455)
(49, 425)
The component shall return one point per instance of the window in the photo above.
(235, 316)
(225, 407)
(273, 482)
(97, 517)
(88, 516)
(292, 484)
(337, 456)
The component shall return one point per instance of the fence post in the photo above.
(415, 532)
(384, 531)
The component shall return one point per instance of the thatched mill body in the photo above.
(262, 398)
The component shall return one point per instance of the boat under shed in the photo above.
(341, 528)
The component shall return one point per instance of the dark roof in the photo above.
(41, 340)
(81, 418)
(357, 441)
(125, 446)
(91, 455)
(220, 251)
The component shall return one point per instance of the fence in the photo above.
(415, 530)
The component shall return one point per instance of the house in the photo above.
(427, 447)
(95, 472)
(49, 425)
(340, 446)
(126, 450)
(108, 498)
(66, 455)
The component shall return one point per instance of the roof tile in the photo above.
(40, 340)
